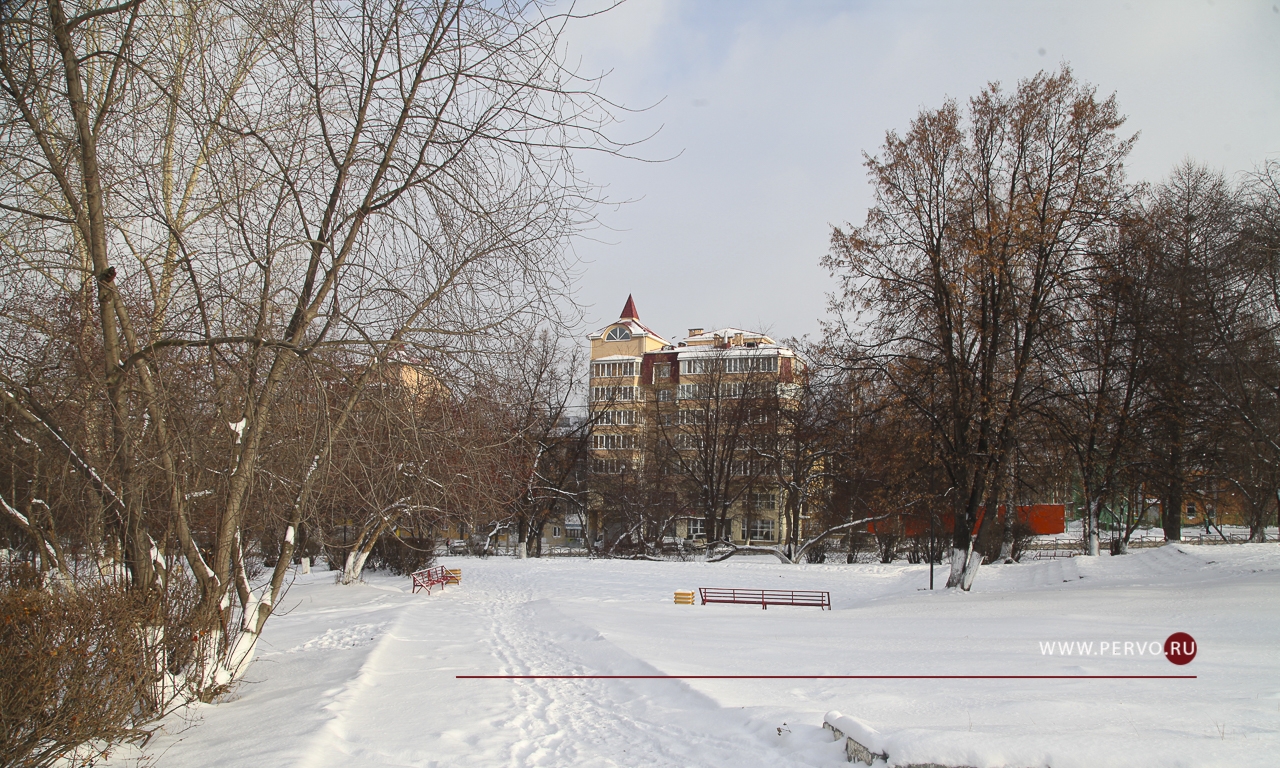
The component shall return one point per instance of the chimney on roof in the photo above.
(629, 310)
(695, 331)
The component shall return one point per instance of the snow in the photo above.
(368, 674)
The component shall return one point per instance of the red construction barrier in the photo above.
(1044, 519)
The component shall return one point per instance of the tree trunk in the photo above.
(959, 558)
(1092, 523)
(1006, 534)
(359, 554)
(1171, 517)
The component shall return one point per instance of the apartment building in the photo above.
(704, 408)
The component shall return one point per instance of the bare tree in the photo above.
(706, 438)
(210, 196)
(638, 507)
(1192, 225)
(537, 443)
(1234, 288)
(962, 265)
(1094, 372)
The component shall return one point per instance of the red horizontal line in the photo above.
(825, 677)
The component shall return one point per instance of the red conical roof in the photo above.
(629, 311)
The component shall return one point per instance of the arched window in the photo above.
(618, 333)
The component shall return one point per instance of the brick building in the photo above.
(703, 407)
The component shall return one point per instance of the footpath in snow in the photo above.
(367, 675)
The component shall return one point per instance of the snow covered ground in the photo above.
(366, 675)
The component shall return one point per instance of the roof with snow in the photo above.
(629, 319)
(709, 337)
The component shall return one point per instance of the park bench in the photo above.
(766, 597)
(430, 577)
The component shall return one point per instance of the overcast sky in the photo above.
(767, 107)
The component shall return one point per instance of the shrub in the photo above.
(991, 539)
(76, 675)
(401, 556)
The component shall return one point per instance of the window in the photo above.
(762, 530)
(731, 389)
(691, 416)
(730, 364)
(614, 442)
(695, 365)
(691, 392)
(555, 531)
(766, 501)
(661, 371)
(745, 468)
(618, 333)
(608, 466)
(751, 364)
(684, 442)
(612, 394)
(623, 418)
(574, 526)
(664, 395)
(696, 529)
(789, 391)
(613, 369)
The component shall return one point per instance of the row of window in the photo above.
(613, 394)
(693, 391)
(692, 366)
(612, 369)
(691, 416)
(622, 418)
(728, 390)
(698, 417)
(766, 501)
(610, 466)
(684, 441)
(687, 442)
(734, 364)
(761, 530)
(725, 390)
(615, 442)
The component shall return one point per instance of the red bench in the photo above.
(432, 576)
(766, 597)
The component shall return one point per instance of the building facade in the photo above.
(684, 435)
